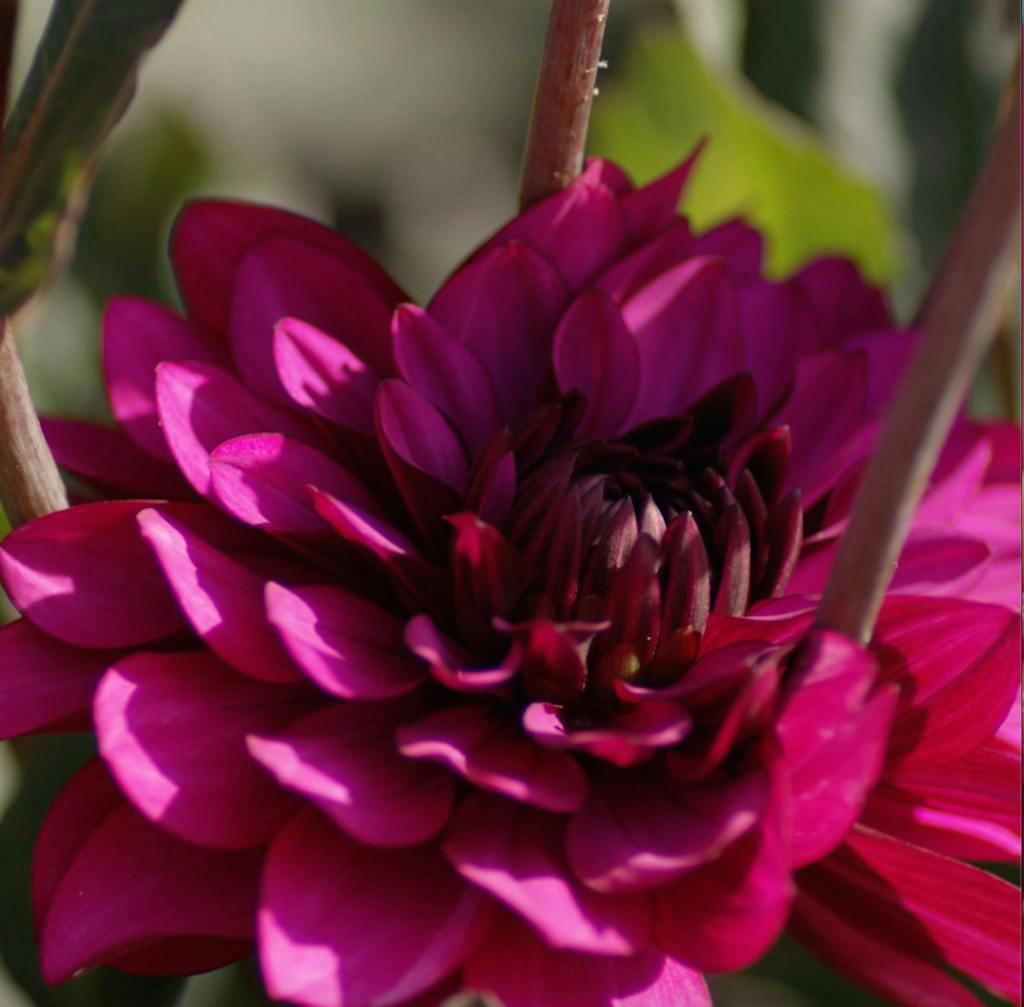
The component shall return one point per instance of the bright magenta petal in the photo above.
(517, 965)
(342, 924)
(172, 729)
(343, 758)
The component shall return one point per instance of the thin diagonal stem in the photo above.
(565, 91)
(958, 322)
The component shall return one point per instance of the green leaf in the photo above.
(80, 83)
(760, 162)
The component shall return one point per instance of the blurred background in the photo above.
(851, 126)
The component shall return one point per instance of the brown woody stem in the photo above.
(958, 322)
(565, 91)
(30, 484)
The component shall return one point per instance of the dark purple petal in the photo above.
(447, 374)
(98, 860)
(738, 244)
(595, 354)
(45, 684)
(137, 336)
(653, 206)
(504, 306)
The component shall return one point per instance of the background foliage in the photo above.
(852, 126)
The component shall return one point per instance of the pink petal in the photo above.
(414, 430)
(778, 329)
(516, 964)
(201, 406)
(105, 458)
(821, 423)
(957, 664)
(686, 326)
(322, 374)
(407, 919)
(220, 597)
(595, 353)
(172, 729)
(347, 646)
(210, 237)
(949, 494)
(108, 883)
(738, 244)
(839, 938)
(44, 683)
(833, 738)
(922, 905)
(639, 831)
(622, 737)
(843, 302)
(649, 208)
(579, 229)
(504, 306)
(138, 335)
(86, 576)
(453, 667)
(262, 480)
(343, 758)
(447, 374)
(516, 854)
(888, 352)
(495, 755)
(725, 915)
(664, 251)
(284, 278)
(969, 809)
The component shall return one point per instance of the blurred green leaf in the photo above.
(760, 162)
(81, 81)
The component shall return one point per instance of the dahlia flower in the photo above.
(470, 646)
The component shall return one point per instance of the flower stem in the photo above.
(561, 103)
(958, 322)
(30, 484)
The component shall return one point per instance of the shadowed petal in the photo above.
(447, 374)
(44, 683)
(201, 406)
(504, 306)
(86, 576)
(220, 597)
(518, 966)
(137, 336)
(344, 759)
(408, 919)
(595, 353)
(347, 646)
(494, 754)
(322, 374)
(637, 831)
(652, 206)
(262, 480)
(516, 854)
(98, 860)
(172, 728)
(929, 908)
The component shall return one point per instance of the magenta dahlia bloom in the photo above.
(470, 646)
